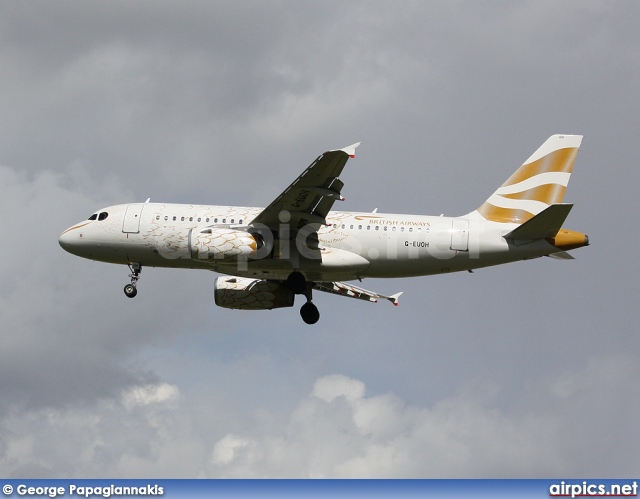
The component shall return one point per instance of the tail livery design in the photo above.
(540, 182)
(532, 196)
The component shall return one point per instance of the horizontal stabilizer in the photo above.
(544, 225)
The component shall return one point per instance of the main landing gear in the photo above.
(130, 289)
(298, 284)
(309, 313)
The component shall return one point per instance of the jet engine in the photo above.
(251, 294)
(219, 244)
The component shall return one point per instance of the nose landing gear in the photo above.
(130, 289)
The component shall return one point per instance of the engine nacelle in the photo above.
(213, 243)
(251, 294)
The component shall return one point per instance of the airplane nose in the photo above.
(71, 239)
(65, 240)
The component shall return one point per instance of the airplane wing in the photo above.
(344, 289)
(308, 200)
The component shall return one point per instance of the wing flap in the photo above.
(344, 289)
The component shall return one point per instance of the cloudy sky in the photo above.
(525, 370)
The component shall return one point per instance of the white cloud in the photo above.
(337, 431)
(331, 387)
(139, 396)
(229, 448)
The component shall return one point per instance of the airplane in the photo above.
(298, 245)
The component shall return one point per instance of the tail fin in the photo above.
(539, 183)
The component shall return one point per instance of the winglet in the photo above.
(394, 298)
(350, 150)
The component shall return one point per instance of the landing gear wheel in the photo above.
(130, 290)
(297, 283)
(309, 313)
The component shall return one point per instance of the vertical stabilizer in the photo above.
(540, 182)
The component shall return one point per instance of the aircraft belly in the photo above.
(339, 259)
(336, 264)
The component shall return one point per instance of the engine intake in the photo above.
(251, 294)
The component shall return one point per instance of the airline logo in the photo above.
(541, 181)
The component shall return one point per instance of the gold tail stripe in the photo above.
(561, 160)
(497, 214)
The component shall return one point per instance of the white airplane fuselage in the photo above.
(354, 245)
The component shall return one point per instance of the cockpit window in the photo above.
(93, 217)
(103, 215)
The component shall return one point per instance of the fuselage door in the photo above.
(131, 222)
(460, 235)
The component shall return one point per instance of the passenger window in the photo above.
(351, 226)
(182, 219)
(190, 219)
(207, 219)
(359, 227)
(240, 221)
(368, 227)
(199, 219)
(215, 220)
(166, 218)
(93, 217)
(232, 220)
(410, 229)
(103, 216)
(393, 228)
(377, 227)
(401, 229)
(158, 217)
(385, 228)
(174, 219)
(224, 220)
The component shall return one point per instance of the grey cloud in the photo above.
(225, 103)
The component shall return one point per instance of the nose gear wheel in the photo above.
(131, 290)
